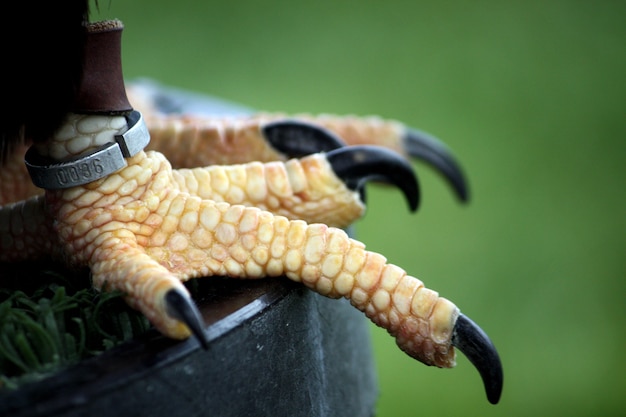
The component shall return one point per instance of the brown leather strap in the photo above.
(102, 87)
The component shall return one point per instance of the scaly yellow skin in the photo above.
(232, 140)
(211, 140)
(218, 144)
(303, 188)
(298, 189)
(146, 228)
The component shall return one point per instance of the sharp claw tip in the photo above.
(296, 138)
(428, 148)
(358, 164)
(181, 307)
(463, 195)
(470, 339)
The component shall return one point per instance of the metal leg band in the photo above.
(51, 175)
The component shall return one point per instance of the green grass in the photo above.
(529, 94)
(51, 318)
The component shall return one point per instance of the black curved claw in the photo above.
(181, 307)
(355, 165)
(475, 344)
(296, 139)
(428, 148)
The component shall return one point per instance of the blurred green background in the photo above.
(530, 95)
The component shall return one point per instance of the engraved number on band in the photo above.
(84, 171)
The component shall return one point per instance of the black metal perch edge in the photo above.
(275, 349)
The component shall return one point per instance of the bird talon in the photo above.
(470, 339)
(355, 165)
(427, 148)
(180, 306)
(145, 228)
(295, 138)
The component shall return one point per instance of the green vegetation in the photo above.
(62, 321)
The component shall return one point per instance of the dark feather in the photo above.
(42, 46)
